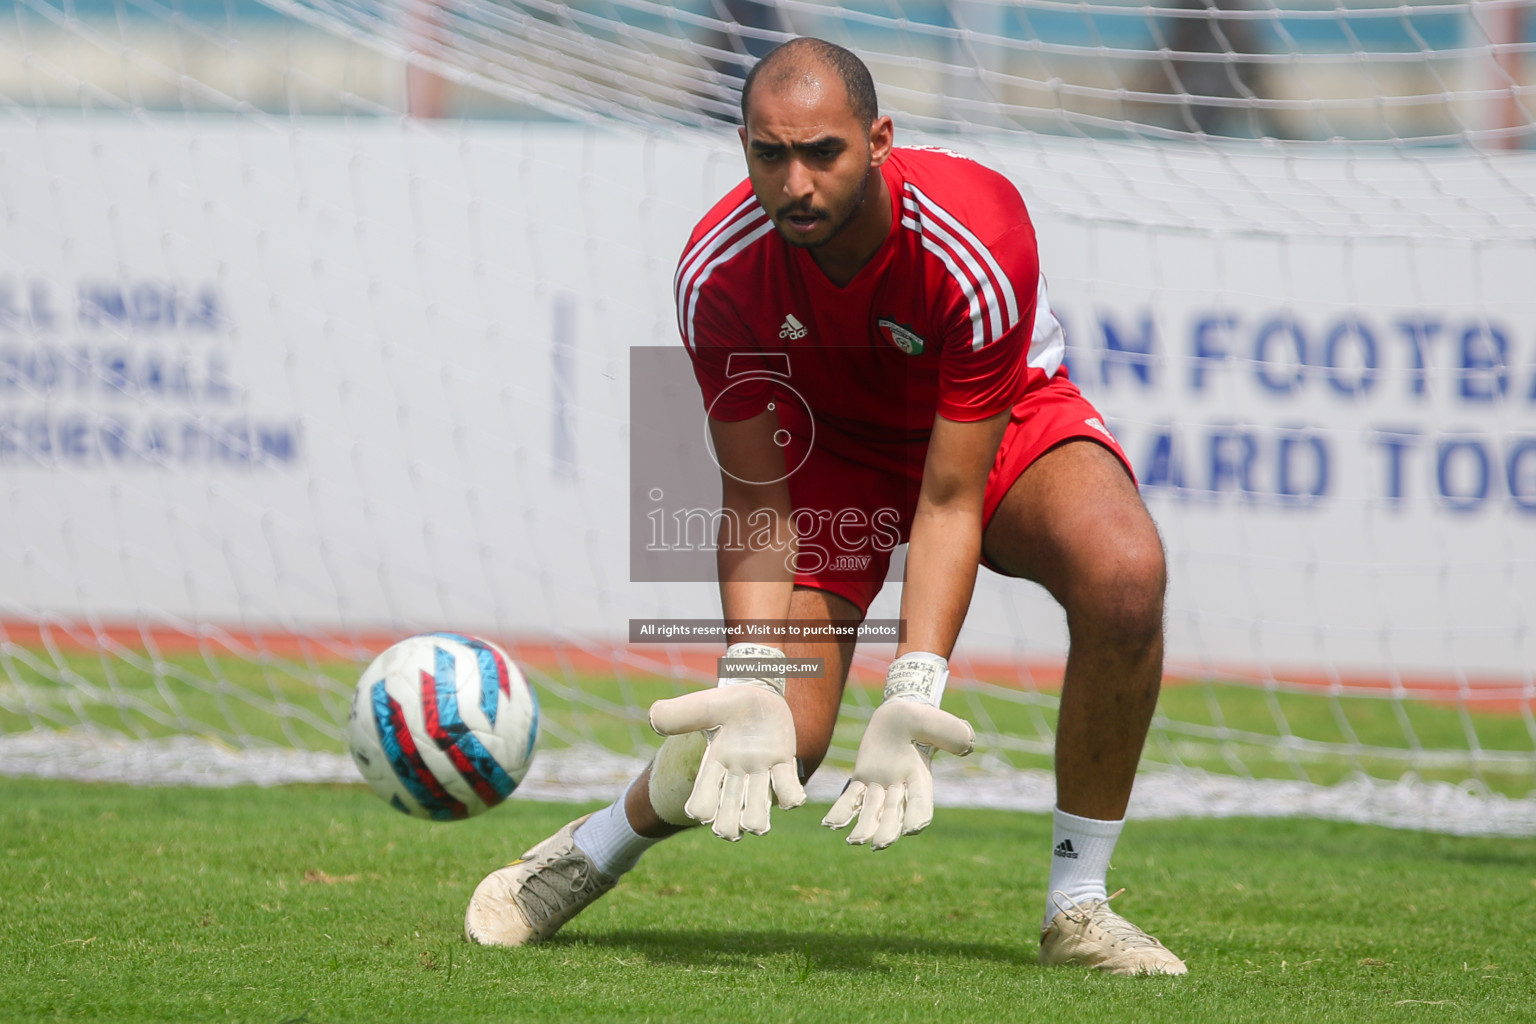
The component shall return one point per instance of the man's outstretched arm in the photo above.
(945, 549)
(751, 733)
(892, 786)
(756, 579)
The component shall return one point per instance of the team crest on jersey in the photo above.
(904, 338)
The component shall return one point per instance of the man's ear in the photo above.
(881, 136)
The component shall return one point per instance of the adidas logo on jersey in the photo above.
(1064, 849)
(791, 328)
(1098, 424)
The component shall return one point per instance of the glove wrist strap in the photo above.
(760, 661)
(917, 676)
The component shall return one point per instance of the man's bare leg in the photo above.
(813, 701)
(1074, 523)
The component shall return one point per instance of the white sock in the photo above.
(607, 837)
(1080, 852)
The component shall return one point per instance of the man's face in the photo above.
(808, 158)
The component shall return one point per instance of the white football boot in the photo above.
(528, 900)
(1089, 934)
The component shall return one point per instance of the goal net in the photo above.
(321, 325)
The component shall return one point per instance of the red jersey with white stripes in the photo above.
(949, 316)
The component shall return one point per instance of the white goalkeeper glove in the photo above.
(751, 747)
(892, 785)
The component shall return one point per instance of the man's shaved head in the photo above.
(809, 61)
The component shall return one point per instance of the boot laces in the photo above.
(1098, 914)
(548, 890)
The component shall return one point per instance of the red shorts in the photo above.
(850, 515)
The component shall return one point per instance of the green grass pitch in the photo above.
(319, 904)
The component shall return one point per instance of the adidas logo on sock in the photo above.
(1064, 849)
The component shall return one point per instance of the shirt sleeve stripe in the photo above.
(699, 248)
(708, 244)
(696, 285)
(934, 233)
(967, 287)
(1004, 286)
(993, 303)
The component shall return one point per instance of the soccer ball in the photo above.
(443, 726)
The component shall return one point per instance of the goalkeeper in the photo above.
(880, 364)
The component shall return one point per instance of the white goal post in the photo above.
(286, 373)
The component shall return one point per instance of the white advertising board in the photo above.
(375, 375)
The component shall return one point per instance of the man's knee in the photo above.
(1117, 590)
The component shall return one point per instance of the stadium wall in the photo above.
(377, 375)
